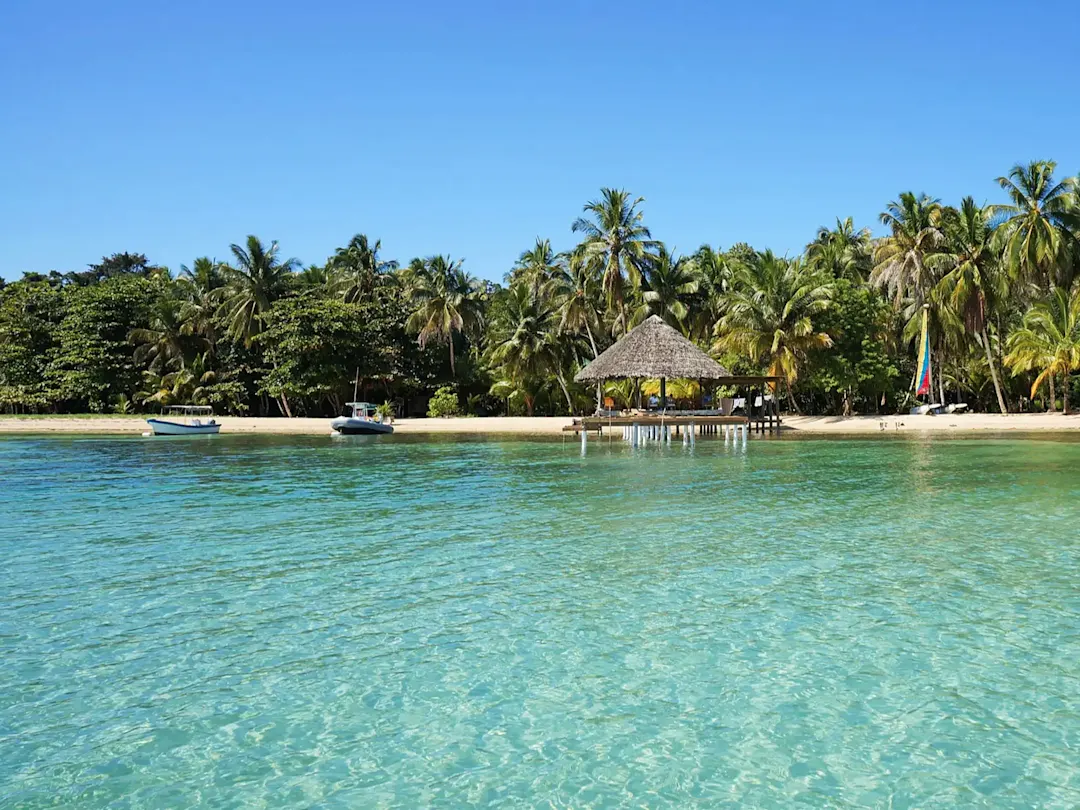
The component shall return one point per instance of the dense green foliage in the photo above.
(311, 342)
(262, 335)
(93, 362)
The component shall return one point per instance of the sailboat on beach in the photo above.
(923, 377)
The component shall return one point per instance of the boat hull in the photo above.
(163, 427)
(349, 426)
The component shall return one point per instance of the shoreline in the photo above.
(553, 425)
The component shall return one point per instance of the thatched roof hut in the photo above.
(652, 349)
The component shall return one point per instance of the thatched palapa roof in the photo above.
(652, 349)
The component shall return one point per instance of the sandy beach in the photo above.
(965, 423)
(278, 425)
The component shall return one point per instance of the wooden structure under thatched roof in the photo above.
(652, 350)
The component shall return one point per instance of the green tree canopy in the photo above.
(30, 312)
(94, 361)
(315, 344)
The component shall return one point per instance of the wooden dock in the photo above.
(597, 423)
(640, 429)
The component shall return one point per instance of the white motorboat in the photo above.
(362, 421)
(184, 420)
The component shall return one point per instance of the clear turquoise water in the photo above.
(255, 622)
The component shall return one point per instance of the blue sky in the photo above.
(470, 128)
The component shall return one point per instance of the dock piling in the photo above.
(640, 429)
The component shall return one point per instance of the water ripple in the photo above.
(254, 622)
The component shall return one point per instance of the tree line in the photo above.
(262, 334)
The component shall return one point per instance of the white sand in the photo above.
(956, 423)
(553, 425)
(316, 427)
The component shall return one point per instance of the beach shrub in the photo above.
(444, 403)
(385, 412)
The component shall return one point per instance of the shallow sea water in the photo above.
(255, 622)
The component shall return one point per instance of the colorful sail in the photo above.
(922, 384)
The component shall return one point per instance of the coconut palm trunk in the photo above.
(985, 340)
(790, 398)
(1053, 395)
(595, 354)
(592, 341)
(566, 392)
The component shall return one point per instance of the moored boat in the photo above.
(361, 421)
(184, 420)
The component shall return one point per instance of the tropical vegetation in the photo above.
(262, 334)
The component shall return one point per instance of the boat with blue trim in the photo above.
(184, 420)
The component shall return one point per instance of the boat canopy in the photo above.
(188, 410)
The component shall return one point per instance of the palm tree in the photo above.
(576, 293)
(201, 378)
(538, 266)
(446, 300)
(900, 258)
(625, 393)
(715, 267)
(1038, 229)
(200, 287)
(668, 289)
(188, 384)
(844, 252)
(315, 276)
(156, 388)
(357, 269)
(529, 346)
(1048, 341)
(770, 314)
(714, 270)
(617, 241)
(902, 268)
(205, 275)
(972, 285)
(408, 277)
(167, 340)
(257, 280)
